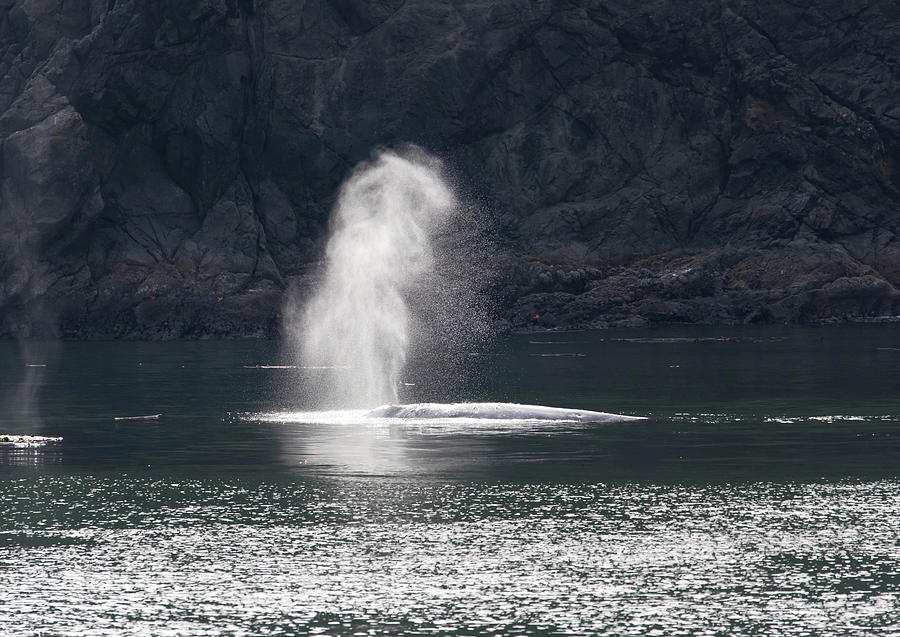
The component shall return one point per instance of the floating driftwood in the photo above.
(150, 417)
(35, 365)
(559, 354)
(698, 339)
(549, 342)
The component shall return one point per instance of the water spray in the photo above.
(359, 318)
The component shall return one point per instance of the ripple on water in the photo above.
(116, 556)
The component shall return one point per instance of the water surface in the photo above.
(760, 495)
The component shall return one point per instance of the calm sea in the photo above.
(760, 496)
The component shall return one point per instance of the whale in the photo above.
(495, 411)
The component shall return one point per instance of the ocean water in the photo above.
(760, 496)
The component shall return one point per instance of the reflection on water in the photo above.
(750, 403)
(759, 497)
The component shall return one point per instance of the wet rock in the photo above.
(719, 162)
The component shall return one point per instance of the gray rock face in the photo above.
(167, 168)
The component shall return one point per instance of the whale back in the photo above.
(493, 411)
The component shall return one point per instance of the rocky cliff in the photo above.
(167, 168)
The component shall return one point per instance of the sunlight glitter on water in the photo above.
(117, 556)
(711, 517)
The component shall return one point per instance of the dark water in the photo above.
(761, 495)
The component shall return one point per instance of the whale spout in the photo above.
(494, 411)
